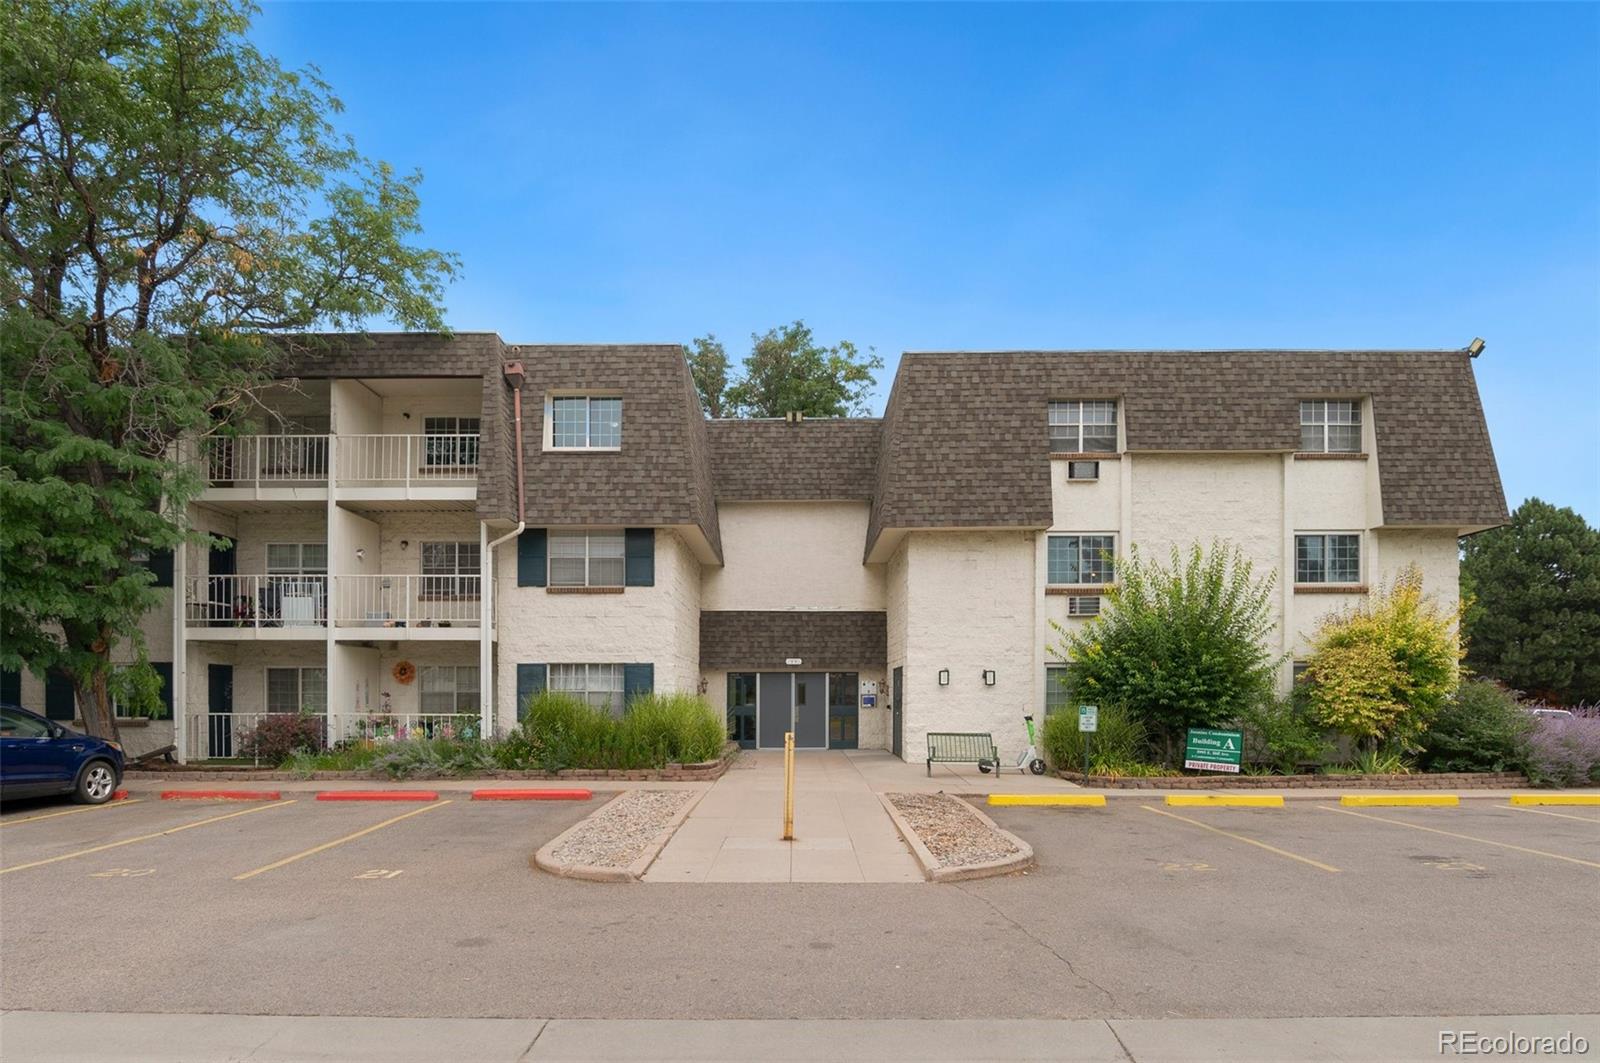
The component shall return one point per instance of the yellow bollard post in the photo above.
(788, 786)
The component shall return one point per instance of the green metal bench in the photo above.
(963, 747)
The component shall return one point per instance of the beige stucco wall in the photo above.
(407, 698)
(1182, 499)
(1329, 496)
(659, 625)
(793, 555)
(1086, 505)
(414, 529)
(1435, 552)
(276, 526)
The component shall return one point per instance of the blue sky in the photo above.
(978, 177)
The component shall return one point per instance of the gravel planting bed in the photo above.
(955, 835)
(620, 832)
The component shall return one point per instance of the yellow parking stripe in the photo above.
(1052, 800)
(1463, 837)
(1558, 815)
(1400, 800)
(1555, 799)
(338, 841)
(1241, 838)
(1224, 801)
(143, 837)
(71, 812)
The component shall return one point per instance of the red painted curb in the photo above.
(531, 795)
(377, 795)
(120, 795)
(220, 795)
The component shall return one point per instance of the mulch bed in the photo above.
(953, 833)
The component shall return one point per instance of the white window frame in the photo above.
(1109, 561)
(588, 399)
(461, 683)
(1320, 414)
(1053, 674)
(299, 567)
(1326, 550)
(456, 448)
(1066, 421)
(300, 688)
(587, 552)
(459, 582)
(600, 685)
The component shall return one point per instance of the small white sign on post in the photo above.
(1088, 718)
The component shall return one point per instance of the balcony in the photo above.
(280, 468)
(365, 608)
(406, 607)
(367, 468)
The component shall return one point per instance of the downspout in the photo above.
(513, 376)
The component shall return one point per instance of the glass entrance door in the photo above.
(844, 710)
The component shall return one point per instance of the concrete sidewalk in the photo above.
(109, 1037)
(842, 833)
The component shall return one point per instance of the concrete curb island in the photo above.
(934, 871)
(544, 859)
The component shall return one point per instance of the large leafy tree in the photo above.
(1179, 645)
(1533, 587)
(786, 371)
(174, 207)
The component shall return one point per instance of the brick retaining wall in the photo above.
(1419, 781)
(706, 771)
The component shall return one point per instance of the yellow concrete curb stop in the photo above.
(1225, 800)
(1400, 800)
(1058, 800)
(1555, 799)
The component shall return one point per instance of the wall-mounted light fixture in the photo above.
(405, 544)
(988, 677)
(361, 554)
(944, 677)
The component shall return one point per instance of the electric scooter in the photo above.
(1030, 759)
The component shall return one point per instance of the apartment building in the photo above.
(427, 529)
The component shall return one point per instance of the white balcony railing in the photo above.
(266, 737)
(267, 460)
(423, 460)
(256, 601)
(406, 601)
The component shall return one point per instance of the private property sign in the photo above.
(1213, 750)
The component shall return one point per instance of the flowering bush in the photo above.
(1565, 751)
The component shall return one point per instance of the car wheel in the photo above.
(1036, 765)
(96, 783)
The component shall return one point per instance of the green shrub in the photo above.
(671, 728)
(1120, 747)
(1280, 735)
(560, 730)
(1179, 646)
(346, 756)
(564, 731)
(430, 758)
(1481, 728)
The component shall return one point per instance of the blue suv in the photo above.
(39, 756)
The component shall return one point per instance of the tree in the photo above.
(1381, 671)
(1533, 593)
(708, 366)
(786, 371)
(1179, 645)
(174, 207)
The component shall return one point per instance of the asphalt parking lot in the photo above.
(1135, 910)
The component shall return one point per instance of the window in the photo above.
(592, 559)
(1081, 559)
(450, 442)
(1083, 470)
(1084, 606)
(1330, 427)
(297, 559)
(296, 689)
(16, 725)
(1083, 427)
(1055, 688)
(578, 421)
(450, 688)
(449, 570)
(1327, 558)
(598, 684)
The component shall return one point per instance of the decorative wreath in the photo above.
(405, 672)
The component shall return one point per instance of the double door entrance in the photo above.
(821, 708)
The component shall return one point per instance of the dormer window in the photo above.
(584, 422)
(1083, 427)
(1330, 426)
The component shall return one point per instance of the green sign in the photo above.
(1088, 717)
(1213, 750)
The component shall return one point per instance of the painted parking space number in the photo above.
(123, 872)
(1454, 865)
(379, 872)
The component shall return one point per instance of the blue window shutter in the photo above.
(163, 669)
(637, 679)
(10, 686)
(60, 699)
(531, 554)
(160, 565)
(531, 679)
(639, 547)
